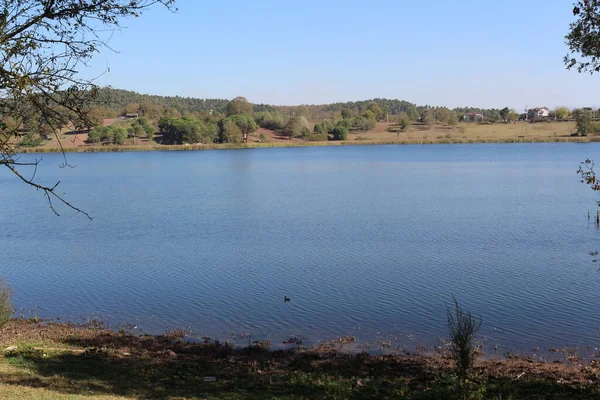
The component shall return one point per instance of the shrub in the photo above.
(6, 307)
(340, 133)
(463, 327)
(31, 140)
(263, 138)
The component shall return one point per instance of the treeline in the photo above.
(116, 102)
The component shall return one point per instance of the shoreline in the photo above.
(258, 145)
(43, 360)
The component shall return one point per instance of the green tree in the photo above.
(347, 113)
(513, 115)
(370, 115)
(562, 112)
(149, 132)
(340, 133)
(452, 119)
(139, 131)
(293, 127)
(240, 106)
(245, 123)
(119, 136)
(375, 109)
(361, 123)
(94, 136)
(344, 122)
(583, 37)
(504, 113)
(442, 114)
(230, 132)
(413, 113)
(584, 123)
(403, 122)
(427, 118)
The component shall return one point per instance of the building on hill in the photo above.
(131, 115)
(538, 112)
(473, 117)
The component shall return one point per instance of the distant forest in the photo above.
(115, 102)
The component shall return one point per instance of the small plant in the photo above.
(463, 328)
(6, 307)
(263, 138)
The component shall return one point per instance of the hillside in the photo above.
(116, 101)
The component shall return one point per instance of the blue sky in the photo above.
(479, 53)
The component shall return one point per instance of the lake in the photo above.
(369, 241)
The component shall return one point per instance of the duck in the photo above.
(286, 299)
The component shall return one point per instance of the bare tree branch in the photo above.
(42, 45)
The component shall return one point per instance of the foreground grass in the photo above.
(59, 361)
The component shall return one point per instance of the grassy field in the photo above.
(415, 134)
(61, 361)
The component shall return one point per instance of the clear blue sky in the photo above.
(479, 53)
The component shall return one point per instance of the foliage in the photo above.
(370, 115)
(376, 109)
(31, 140)
(239, 106)
(513, 115)
(245, 123)
(230, 132)
(269, 120)
(588, 175)
(107, 135)
(6, 307)
(585, 125)
(452, 119)
(263, 138)
(428, 118)
(94, 136)
(187, 130)
(584, 36)
(562, 112)
(347, 113)
(293, 127)
(119, 136)
(340, 132)
(403, 122)
(361, 123)
(345, 122)
(463, 328)
(504, 113)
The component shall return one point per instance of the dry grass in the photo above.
(546, 131)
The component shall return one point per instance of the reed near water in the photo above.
(219, 146)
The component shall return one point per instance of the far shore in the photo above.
(383, 134)
(257, 145)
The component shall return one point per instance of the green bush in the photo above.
(340, 133)
(31, 140)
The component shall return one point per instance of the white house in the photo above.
(538, 112)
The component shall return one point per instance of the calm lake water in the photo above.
(366, 241)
